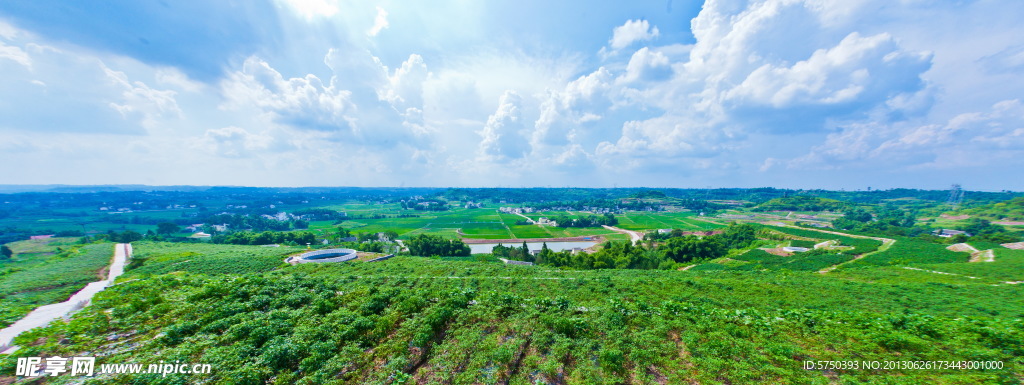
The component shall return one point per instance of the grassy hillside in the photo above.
(416, 320)
(802, 203)
(48, 271)
(1011, 210)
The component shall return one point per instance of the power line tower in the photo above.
(956, 196)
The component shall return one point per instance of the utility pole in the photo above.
(956, 196)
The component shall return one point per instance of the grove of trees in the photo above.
(436, 246)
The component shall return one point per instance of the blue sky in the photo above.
(732, 93)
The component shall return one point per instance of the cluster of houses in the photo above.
(115, 210)
(544, 221)
(947, 233)
(515, 210)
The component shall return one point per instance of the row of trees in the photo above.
(664, 255)
(436, 246)
(265, 238)
(586, 221)
(514, 253)
(890, 220)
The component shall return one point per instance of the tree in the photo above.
(858, 214)
(526, 253)
(436, 246)
(167, 228)
(128, 236)
(6, 252)
(545, 254)
(691, 248)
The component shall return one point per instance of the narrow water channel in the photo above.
(43, 315)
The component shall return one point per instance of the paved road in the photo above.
(43, 315)
(527, 218)
(635, 236)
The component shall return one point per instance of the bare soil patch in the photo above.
(962, 247)
(1015, 246)
(983, 256)
(778, 251)
(1010, 223)
(954, 217)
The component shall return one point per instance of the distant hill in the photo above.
(1011, 210)
(802, 203)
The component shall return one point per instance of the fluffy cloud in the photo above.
(772, 60)
(647, 65)
(51, 89)
(633, 31)
(301, 102)
(502, 136)
(15, 54)
(234, 142)
(857, 68)
(562, 113)
(379, 23)
(773, 66)
(966, 139)
(771, 85)
(142, 102)
(666, 137)
(404, 88)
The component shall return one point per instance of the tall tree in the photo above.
(167, 228)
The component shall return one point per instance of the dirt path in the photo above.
(635, 236)
(983, 256)
(938, 272)
(886, 244)
(43, 315)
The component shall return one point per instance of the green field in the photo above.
(485, 223)
(717, 309)
(418, 320)
(41, 275)
(1008, 266)
(163, 257)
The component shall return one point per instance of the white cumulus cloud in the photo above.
(631, 32)
(304, 102)
(379, 23)
(502, 136)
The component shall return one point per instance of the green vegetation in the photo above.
(1007, 267)
(801, 203)
(1010, 210)
(685, 306)
(417, 320)
(153, 258)
(586, 221)
(265, 238)
(859, 245)
(802, 243)
(34, 279)
(436, 246)
(911, 251)
(809, 261)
